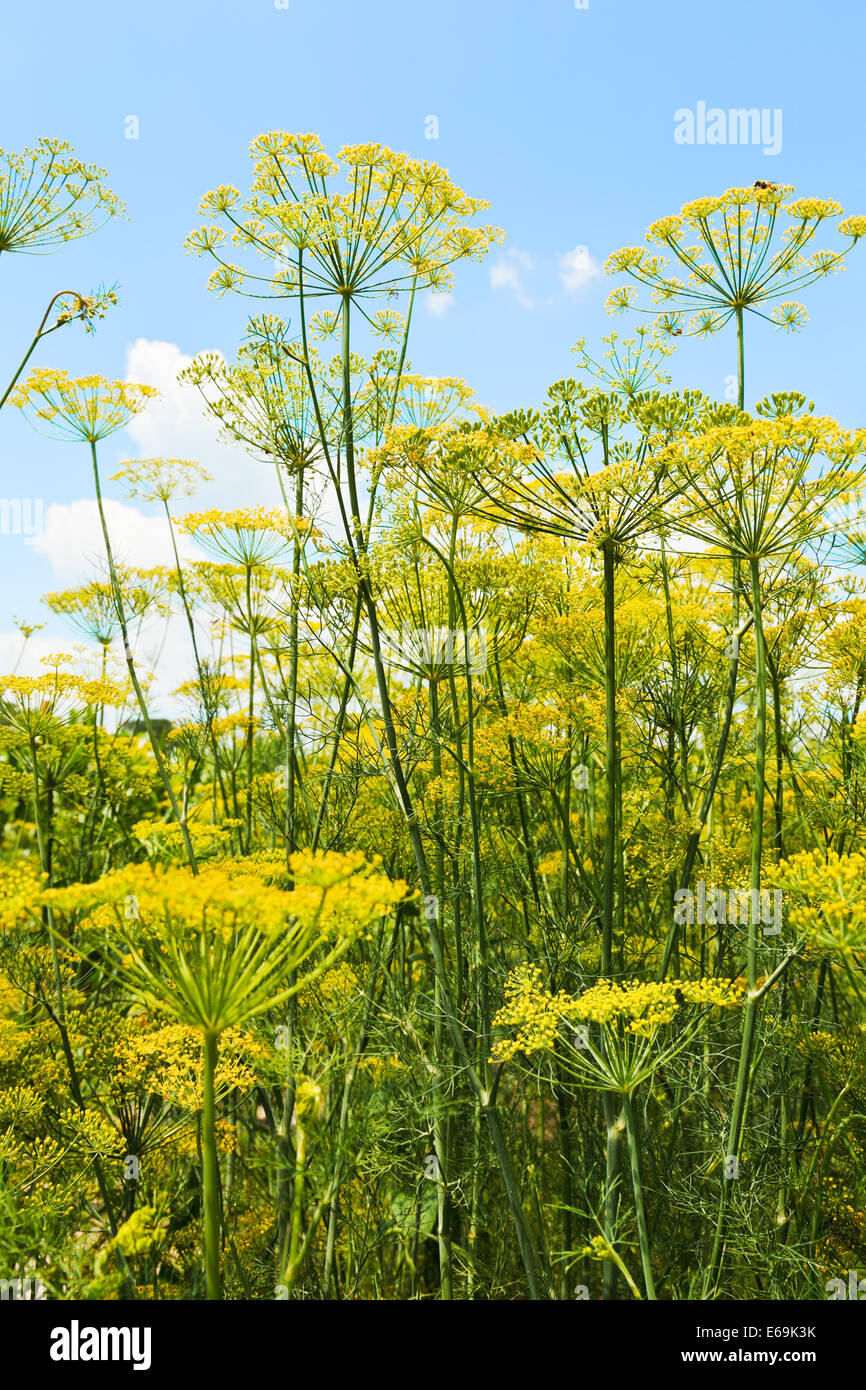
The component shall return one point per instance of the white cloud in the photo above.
(577, 268)
(24, 658)
(438, 304)
(72, 539)
(175, 426)
(514, 269)
(507, 273)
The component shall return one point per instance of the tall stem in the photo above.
(752, 1004)
(133, 676)
(210, 1170)
(292, 713)
(637, 1189)
(538, 1281)
(613, 1124)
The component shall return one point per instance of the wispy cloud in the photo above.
(176, 426)
(438, 304)
(518, 272)
(577, 268)
(508, 271)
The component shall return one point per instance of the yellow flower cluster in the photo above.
(532, 1011)
(221, 946)
(641, 1008)
(143, 1230)
(401, 220)
(645, 1007)
(739, 259)
(48, 196)
(827, 907)
(86, 408)
(21, 881)
(61, 688)
(168, 1061)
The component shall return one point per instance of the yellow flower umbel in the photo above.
(633, 1037)
(217, 948)
(47, 197)
(401, 223)
(159, 479)
(92, 609)
(249, 536)
(734, 259)
(220, 947)
(634, 1021)
(88, 408)
(827, 905)
(36, 704)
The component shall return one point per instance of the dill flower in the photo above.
(47, 196)
(87, 408)
(740, 259)
(249, 535)
(217, 948)
(827, 907)
(634, 1019)
(159, 479)
(732, 259)
(263, 400)
(34, 703)
(758, 492)
(633, 364)
(400, 225)
(92, 607)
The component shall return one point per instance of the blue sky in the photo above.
(562, 117)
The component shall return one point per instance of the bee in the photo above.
(762, 184)
(393, 294)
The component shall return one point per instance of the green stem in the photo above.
(537, 1279)
(637, 1188)
(41, 332)
(752, 1004)
(130, 664)
(613, 1126)
(210, 1171)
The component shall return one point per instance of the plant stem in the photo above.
(210, 1171)
(637, 1188)
(139, 694)
(752, 1004)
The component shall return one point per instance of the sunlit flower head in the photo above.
(247, 535)
(159, 479)
(741, 251)
(87, 408)
(400, 225)
(47, 196)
